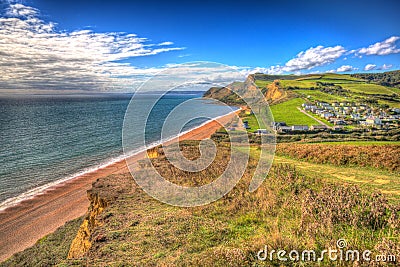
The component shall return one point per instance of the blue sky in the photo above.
(265, 36)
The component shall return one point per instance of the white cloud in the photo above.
(166, 43)
(314, 57)
(369, 67)
(35, 55)
(19, 10)
(386, 47)
(311, 58)
(346, 68)
(386, 67)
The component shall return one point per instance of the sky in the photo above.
(117, 45)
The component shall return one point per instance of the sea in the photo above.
(48, 139)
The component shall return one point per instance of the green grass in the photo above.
(367, 178)
(321, 96)
(288, 211)
(369, 88)
(295, 83)
(252, 121)
(333, 78)
(319, 118)
(262, 84)
(391, 104)
(288, 112)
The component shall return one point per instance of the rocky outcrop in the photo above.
(82, 242)
(274, 92)
(102, 197)
(247, 90)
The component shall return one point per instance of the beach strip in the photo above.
(28, 221)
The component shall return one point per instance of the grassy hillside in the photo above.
(323, 87)
(316, 95)
(291, 210)
(288, 112)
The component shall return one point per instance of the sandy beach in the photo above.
(22, 225)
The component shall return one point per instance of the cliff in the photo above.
(82, 242)
(99, 199)
(273, 92)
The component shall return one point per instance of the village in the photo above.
(343, 116)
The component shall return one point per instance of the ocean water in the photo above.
(45, 140)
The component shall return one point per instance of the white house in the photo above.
(299, 128)
(318, 127)
(372, 120)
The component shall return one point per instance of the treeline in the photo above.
(390, 78)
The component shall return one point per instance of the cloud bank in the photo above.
(386, 47)
(320, 56)
(309, 59)
(35, 55)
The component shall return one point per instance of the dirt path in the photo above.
(387, 182)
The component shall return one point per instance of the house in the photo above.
(299, 128)
(278, 124)
(339, 122)
(261, 131)
(372, 120)
(319, 127)
(327, 115)
(338, 128)
(284, 129)
(309, 107)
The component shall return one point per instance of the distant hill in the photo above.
(379, 89)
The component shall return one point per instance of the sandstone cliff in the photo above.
(99, 199)
(273, 92)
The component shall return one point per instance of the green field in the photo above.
(321, 96)
(262, 84)
(288, 112)
(333, 78)
(369, 179)
(252, 121)
(319, 118)
(369, 88)
(295, 83)
(390, 103)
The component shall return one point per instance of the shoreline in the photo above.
(22, 224)
(34, 192)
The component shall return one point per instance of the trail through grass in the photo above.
(368, 178)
